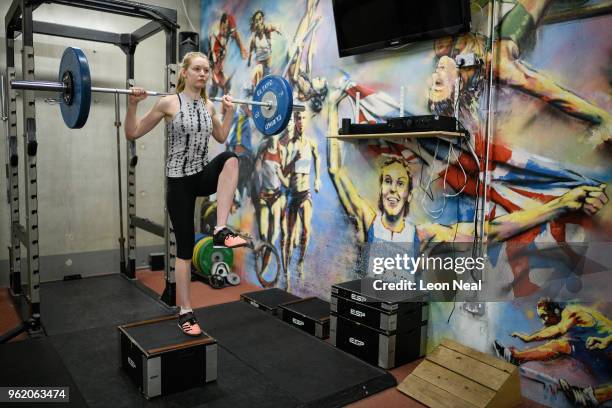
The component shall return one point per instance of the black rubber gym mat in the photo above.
(36, 363)
(312, 371)
(92, 356)
(99, 301)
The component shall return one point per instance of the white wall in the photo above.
(77, 169)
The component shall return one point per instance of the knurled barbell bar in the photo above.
(272, 98)
(65, 89)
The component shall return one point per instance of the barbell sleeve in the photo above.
(300, 107)
(61, 87)
(38, 86)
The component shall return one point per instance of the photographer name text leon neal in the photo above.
(428, 286)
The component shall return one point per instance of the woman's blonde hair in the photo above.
(180, 86)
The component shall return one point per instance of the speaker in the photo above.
(188, 41)
(156, 261)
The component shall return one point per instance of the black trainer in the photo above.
(189, 324)
(505, 353)
(227, 238)
(580, 396)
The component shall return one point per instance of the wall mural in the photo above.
(323, 202)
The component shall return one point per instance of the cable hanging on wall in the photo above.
(187, 16)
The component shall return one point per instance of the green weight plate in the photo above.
(196, 250)
(206, 256)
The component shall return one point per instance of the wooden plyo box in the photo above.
(456, 376)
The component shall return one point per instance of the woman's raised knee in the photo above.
(231, 163)
(228, 160)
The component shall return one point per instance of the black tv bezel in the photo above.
(464, 27)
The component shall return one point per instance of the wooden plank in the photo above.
(404, 135)
(485, 358)
(509, 395)
(429, 394)
(456, 384)
(203, 340)
(150, 321)
(469, 367)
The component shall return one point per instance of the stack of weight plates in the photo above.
(212, 264)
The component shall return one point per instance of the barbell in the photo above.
(272, 97)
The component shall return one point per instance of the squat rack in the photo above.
(19, 19)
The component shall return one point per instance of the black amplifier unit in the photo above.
(404, 124)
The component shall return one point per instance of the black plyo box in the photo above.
(152, 352)
(309, 314)
(384, 349)
(268, 299)
(400, 320)
(381, 327)
(360, 291)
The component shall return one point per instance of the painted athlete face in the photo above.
(547, 317)
(443, 80)
(224, 28)
(394, 189)
(298, 120)
(443, 46)
(258, 22)
(290, 128)
(198, 72)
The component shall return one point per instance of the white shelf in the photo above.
(406, 135)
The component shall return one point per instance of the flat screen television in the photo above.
(367, 25)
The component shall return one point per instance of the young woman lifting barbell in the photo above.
(191, 119)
